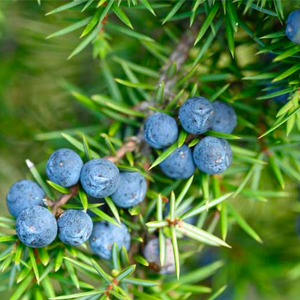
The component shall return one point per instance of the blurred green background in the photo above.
(32, 101)
(31, 98)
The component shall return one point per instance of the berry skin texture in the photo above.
(180, 164)
(160, 130)
(36, 227)
(151, 253)
(64, 167)
(212, 155)
(293, 26)
(23, 194)
(105, 234)
(225, 117)
(196, 115)
(131, 191)
(100, 178)
(74, 227)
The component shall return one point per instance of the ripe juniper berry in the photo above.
(196, 115)
(99, 178)
(160, 130)
(179, 164)
(225, 117)
(212, 155)
(64, 167)
(131, 191)
(293, 26)
(74, 227)
(105, 234)
(23, 194)
(36, 227)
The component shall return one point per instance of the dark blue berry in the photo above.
(131, 191)
(298, 225)
(151, 253)
(36, 227)
(64, 167)
(282, 99)
(212, 155)
(225, 117)
(100, 178)
(105, 234)
(293, 26)
(23, 194)
(179, 164)
(74, 227)
(160, 130)
(196, 115)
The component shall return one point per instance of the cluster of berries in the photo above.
(197, 115)
(37, 227)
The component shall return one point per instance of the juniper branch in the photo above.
(62, 200)
(178, 56)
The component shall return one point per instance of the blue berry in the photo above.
(99, 178)
(74, 227)
(196, 115)
(212, 155)
(131, 191)
(23, 194)
(293, 26)
(160, 130)
(225, 117)
(282, 99)
(36, 227)
(64, 167)
(105, 234)
(151, 253)
(179, 164)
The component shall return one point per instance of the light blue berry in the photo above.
(105, 234)
(212, 155)
(100, 178)
(23, 194)
(36, 227)
(160, 130)
(196, 115)
(225, 117)
(64, 167)
(179, 164)
(74, 227)
(131, 191)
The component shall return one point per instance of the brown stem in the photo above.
(62, 200)
(128, 146)
(178, 56)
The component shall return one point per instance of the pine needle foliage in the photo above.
(152, 56)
